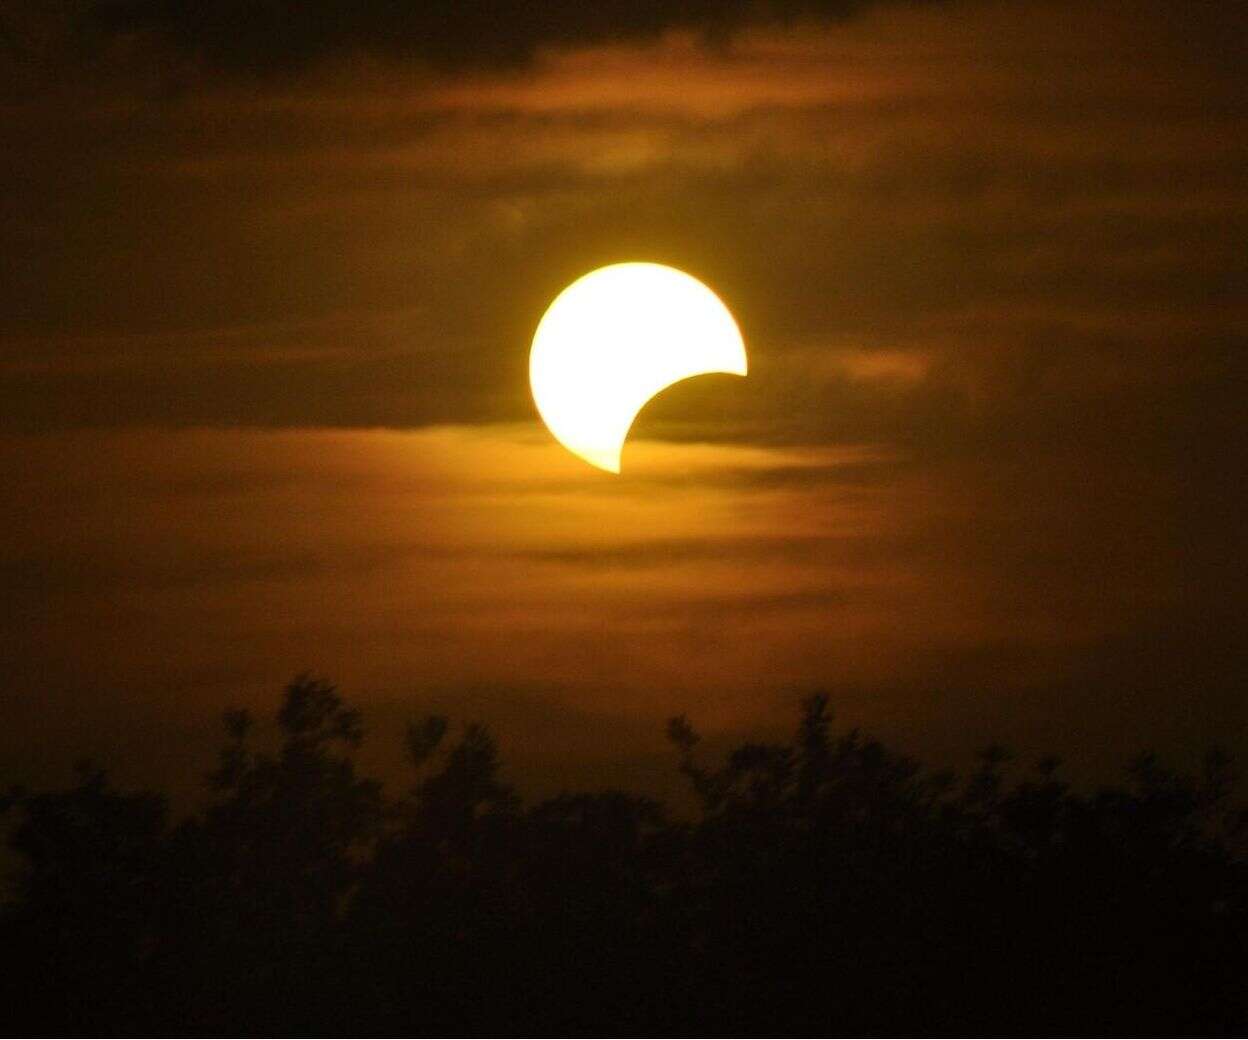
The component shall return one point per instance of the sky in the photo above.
(268, 284)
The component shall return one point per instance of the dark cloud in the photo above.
(446, 34)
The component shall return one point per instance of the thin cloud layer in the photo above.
(156, 578)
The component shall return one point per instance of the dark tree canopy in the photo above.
(824, 884)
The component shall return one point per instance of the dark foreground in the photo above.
(825, 886)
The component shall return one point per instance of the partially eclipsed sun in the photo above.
(616, 337)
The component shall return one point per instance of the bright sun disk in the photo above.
(616, 337)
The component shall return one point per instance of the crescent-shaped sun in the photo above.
(616, 337)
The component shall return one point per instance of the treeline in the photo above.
(825, 886)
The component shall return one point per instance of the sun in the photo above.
(616, 337)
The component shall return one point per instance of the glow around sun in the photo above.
(615, 338)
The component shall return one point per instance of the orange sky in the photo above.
(263, 347)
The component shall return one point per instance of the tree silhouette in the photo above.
(825, 882)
